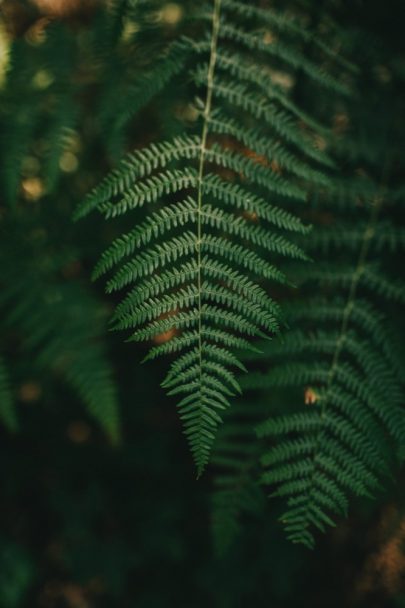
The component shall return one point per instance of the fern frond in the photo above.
(62, 325)
(216, 222)
(338, 444)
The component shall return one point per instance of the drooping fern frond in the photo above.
(60, 324)
(341, 356)
(339, 418)
(219, 219)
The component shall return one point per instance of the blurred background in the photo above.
(99, 505)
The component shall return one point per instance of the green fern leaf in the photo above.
(338, 444)
(196, 267)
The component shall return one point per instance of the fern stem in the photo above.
(204, 136)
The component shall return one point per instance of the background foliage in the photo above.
(99, 504)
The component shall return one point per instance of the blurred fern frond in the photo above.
(61, 324)
(236, 464)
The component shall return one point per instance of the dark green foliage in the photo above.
(17, 573)
(46, 116)
(254, 236)
(344, 359)
(339, 364)
(236, 466)
(212, 227)
(48, 92)
(61, 325)
(7, 414)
